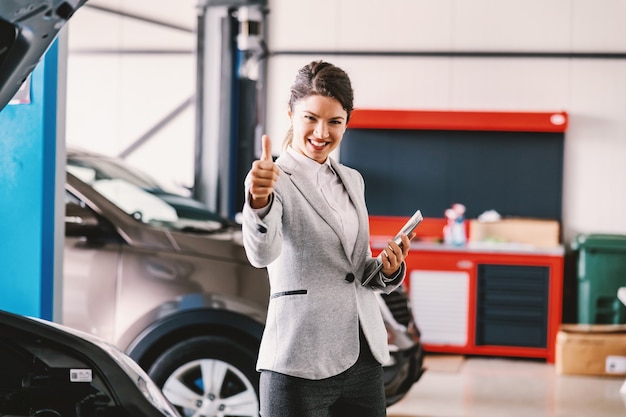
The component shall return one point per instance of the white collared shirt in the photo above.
(334, 193)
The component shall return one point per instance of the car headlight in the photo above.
(147, 387)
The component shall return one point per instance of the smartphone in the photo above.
(409, 227)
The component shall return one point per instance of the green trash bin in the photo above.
(601, 270)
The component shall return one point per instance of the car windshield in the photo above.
(143, 197)
(111, 168)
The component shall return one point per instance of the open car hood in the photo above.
(27, 28)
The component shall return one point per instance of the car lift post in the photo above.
(230, 95)
(32, 175)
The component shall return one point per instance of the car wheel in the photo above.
(209, 376)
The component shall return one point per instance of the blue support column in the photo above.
(28, 171)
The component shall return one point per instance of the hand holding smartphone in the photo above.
(407, 229)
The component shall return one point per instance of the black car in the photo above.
(27, 28)
(48, 370)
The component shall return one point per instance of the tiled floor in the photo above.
(455, 386)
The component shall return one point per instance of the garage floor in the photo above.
(457, 386)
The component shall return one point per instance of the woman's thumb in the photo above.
(266, 147)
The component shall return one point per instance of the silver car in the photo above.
(168, 282)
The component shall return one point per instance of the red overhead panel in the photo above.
(459, 120)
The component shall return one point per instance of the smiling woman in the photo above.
(305, 219)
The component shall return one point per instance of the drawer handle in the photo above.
(464, 264)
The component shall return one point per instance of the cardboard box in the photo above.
(591, 349)
(537, 232)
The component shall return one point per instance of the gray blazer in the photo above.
(316, 303)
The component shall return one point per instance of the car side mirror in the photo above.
(81, 221)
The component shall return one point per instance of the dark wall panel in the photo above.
(514, 173)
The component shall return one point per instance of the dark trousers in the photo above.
(359, 391)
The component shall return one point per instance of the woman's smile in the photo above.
(318, 145)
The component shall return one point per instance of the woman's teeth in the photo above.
(318, 143)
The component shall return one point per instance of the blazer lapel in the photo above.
(357, 198)
(311, 192)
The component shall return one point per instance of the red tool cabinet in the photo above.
(481, 299)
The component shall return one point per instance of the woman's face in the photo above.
(318, 126)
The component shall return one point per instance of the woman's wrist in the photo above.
(259, 203)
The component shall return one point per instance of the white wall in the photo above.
(592, 91)
(115, 98)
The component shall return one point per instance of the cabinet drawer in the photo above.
(510, 333)
(512, 305)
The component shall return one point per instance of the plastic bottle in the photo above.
(458, 232)
(447, 229)
(458, 235)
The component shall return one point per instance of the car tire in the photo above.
(208, 375)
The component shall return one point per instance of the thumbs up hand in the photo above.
(263, 175)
